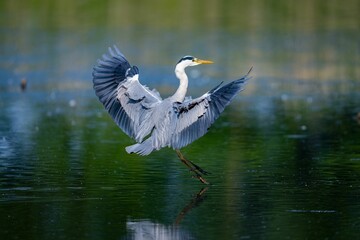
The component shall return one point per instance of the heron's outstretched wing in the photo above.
(128, 102)
(194, 117)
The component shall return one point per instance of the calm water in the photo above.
(284, 157)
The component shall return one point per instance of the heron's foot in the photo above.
(201, 179)
(196, 167)
(198, 175)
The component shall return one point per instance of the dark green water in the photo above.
(284, 157)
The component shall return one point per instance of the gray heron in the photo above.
(154, 122)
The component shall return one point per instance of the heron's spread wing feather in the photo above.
(194, 117)
(128, 102)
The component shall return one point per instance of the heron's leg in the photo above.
(193, 167)
(190, 164)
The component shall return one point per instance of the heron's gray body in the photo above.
(155, 123)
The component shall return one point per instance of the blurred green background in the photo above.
(284, 156)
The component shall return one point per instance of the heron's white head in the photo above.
(184, 62)
(189, 61)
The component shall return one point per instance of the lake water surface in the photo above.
(284, 157)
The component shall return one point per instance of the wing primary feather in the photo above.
(216, 88)
(112, 52)
(117, 50)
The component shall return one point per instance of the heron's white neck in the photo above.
(182, 89)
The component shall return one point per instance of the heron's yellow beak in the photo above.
(200, 61)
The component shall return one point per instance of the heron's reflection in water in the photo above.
(195, 201)
(145, 229)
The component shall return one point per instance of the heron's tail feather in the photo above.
(144, 148)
